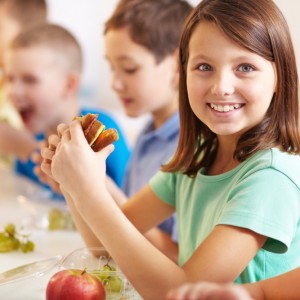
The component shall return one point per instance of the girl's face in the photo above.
(229, 87)
(142, 84)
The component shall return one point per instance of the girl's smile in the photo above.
(230, 88)
(225, 108)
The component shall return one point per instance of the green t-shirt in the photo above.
(261, 194)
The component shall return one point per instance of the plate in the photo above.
(33, 269)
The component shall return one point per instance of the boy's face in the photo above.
(9, 29)
(143, 85)
(36, 85)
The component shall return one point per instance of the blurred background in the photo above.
(85, 19)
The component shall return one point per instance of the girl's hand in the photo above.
(75, 166)
(37, 158)
(209, 291)
(47, 153)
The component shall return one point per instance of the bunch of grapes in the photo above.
(11, 240)
(109, 278)
(59, 220)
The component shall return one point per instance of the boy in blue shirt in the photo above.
(145, 78)
(43, 67)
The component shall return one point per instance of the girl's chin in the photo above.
(132, 113)
(225, 132)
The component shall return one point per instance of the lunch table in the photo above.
(27, 205)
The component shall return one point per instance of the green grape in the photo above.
(10, 229)
(59, 220)
(11, 240)
(8, 243)
(56, 219)
(27, 246)
(112, 283)
(104, 272)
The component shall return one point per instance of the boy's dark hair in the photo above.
(27, 13)
(55, 38)
(260, 27)
(154, 24)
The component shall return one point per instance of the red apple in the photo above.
(74, 284)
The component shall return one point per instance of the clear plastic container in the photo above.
(97, 261)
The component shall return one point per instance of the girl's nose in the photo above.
(117, 84)
(223, 84)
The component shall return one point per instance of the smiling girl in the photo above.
(234, 179)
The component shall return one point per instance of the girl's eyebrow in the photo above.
(199, 56)
(248, 57)
(121, 58)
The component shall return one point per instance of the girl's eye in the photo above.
(245, 68)
(130, 70)
(204, 67)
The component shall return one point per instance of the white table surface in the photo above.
(25, 204)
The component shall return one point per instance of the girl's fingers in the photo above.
(76, 132)
(61, 128)
(65, 136)
(47, 154)
(36, 157)
(105, 152)
(46, 168)
(53, 141)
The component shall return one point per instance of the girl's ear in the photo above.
(72, 84)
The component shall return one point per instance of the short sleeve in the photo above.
(266, 202)
(163, 185)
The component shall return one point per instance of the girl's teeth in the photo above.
(224, 108)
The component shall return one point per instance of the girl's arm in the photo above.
(86, 233)
(284, 286)
(156, 236)
(81, 172)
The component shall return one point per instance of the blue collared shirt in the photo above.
(153, 148)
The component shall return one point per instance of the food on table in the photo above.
(12, 240)
(109, 278)
(74, 284)
(95, 133)
(60, 220)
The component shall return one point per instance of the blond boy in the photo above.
(43, 70)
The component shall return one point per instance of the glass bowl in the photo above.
(97, 261)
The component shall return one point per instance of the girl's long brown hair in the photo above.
(260, 27)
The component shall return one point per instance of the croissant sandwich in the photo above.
(95, 133)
